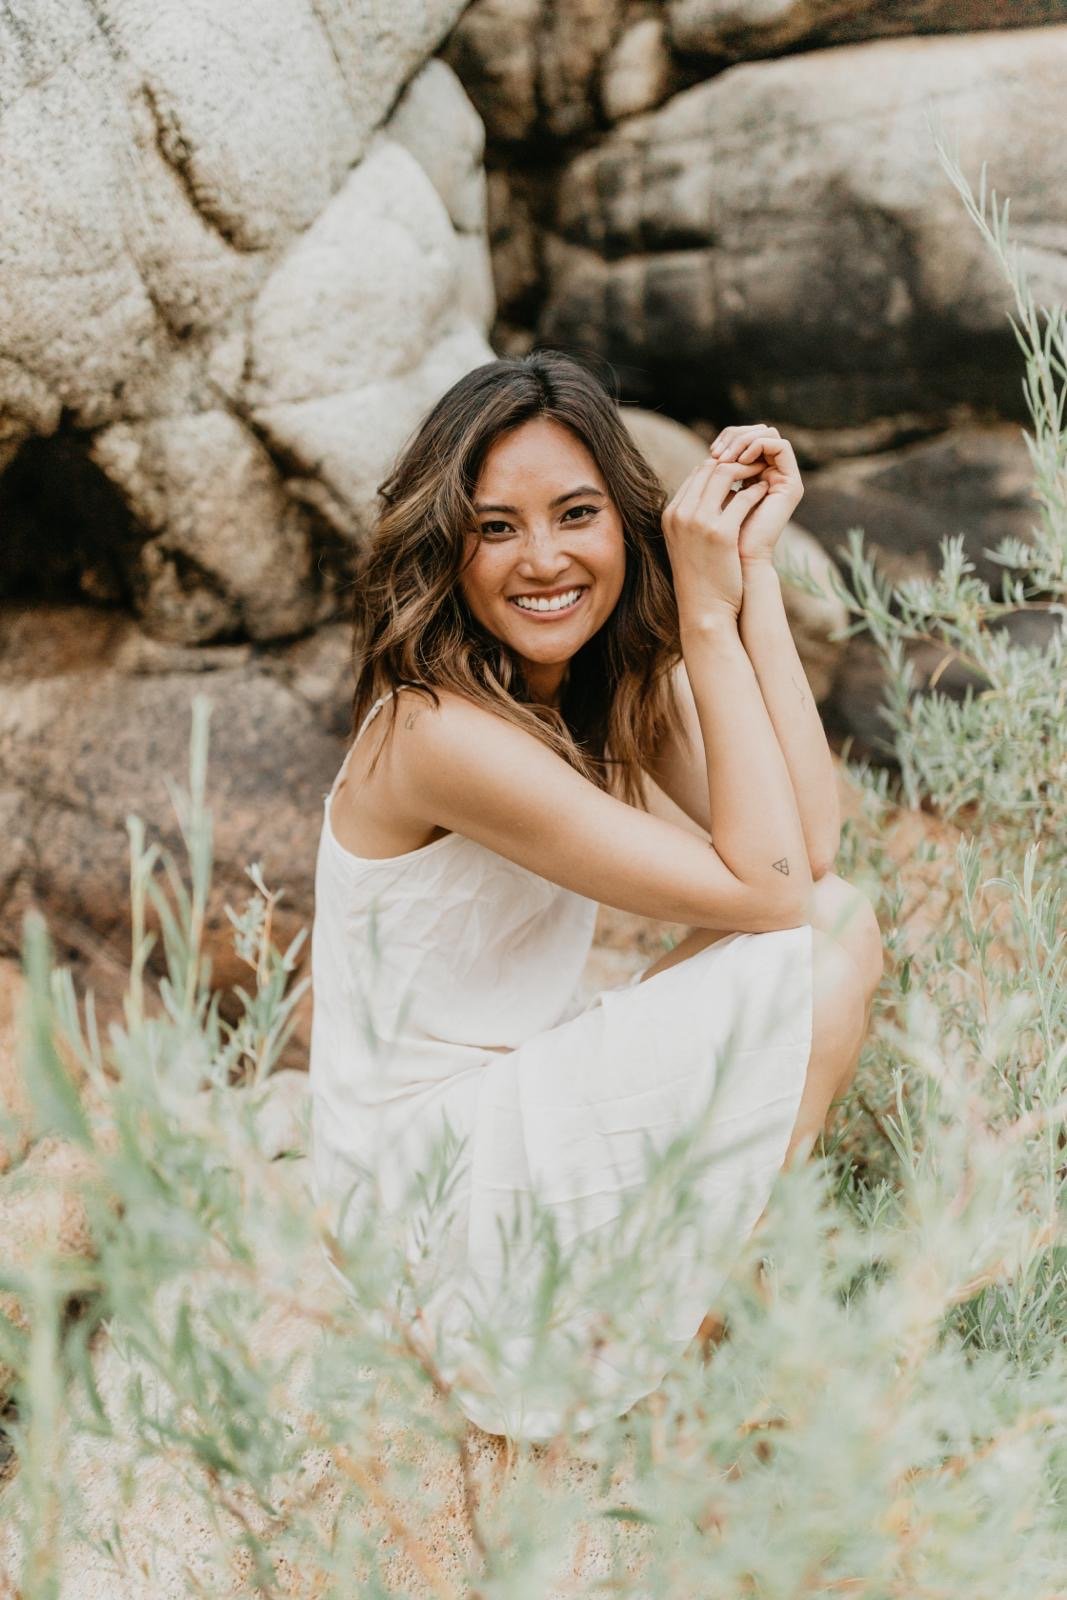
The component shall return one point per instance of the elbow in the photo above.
(795, 912)
(786, 910)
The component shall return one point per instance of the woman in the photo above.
(544, 632)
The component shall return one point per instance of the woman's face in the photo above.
(546, 562)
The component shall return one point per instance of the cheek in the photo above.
(483, 576)
(611, 554)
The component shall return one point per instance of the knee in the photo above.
(839, 1000)
(845, 914)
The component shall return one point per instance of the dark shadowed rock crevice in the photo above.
(67, 532)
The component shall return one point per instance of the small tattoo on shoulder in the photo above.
(409, 720)
(781, 866)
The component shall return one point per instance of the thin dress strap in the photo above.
(371, 714)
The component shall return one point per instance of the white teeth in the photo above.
(529, 603)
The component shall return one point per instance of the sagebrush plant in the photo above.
(886, 1415)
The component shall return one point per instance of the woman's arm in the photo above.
(751, 807)
(461, 767)
(768, 641)
(679, 767)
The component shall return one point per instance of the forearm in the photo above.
(755, 824)
(768, 642)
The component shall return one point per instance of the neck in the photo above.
(545, 683)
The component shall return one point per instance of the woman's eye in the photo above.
(498, 528)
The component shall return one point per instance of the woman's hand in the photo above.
(701, 526)
(755, 443)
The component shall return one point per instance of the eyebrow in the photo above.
(583, 488)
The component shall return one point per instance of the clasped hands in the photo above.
(715, 535)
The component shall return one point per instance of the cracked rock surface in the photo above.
(226, 274)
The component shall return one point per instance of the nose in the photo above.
(542, 559)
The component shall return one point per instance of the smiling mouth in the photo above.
(557, 606)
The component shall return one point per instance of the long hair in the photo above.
(413, 626)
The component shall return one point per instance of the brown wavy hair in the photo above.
(413, 626)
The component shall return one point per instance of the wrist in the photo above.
(710, 624)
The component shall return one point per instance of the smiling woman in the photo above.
(545, 632)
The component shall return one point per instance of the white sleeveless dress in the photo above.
(448, 1003)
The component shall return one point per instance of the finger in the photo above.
(719, 489)
(690, 499)
(762, 444)
(742, 448)
(780, 465)
(676, 499)
(732, 435)
(776, 454)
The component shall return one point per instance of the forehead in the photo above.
(538, 456)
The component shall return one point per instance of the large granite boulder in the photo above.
(783, 242)
(234, 271)
(549, 73)
(734, 29)
(975, 481)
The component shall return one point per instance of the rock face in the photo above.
(552, 71)
(739, 28)
(975, 481)
(532, 66)
(96, 717)
(233, 281)
(782, 241)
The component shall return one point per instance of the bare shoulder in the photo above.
(413, 703)
(418, 706)
(457, 740)
(428, 729)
